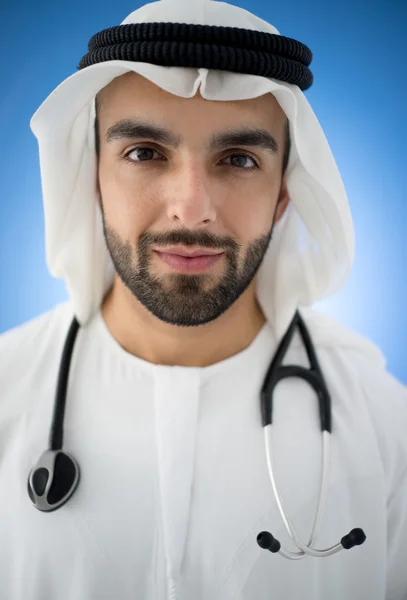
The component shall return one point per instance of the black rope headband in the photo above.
(204, 46)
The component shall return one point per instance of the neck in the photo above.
(140, 333)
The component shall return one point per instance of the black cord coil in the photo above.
(204, 46)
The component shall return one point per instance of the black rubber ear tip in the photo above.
(266, 541)
(356, 537)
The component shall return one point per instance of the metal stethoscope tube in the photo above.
(314, 377)
(305, 549)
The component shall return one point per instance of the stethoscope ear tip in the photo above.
(268, 542)
(356, 537)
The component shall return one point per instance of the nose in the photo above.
(190, 195)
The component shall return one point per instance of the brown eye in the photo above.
(240, 162)
(141, 154)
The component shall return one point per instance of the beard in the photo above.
(181, 299)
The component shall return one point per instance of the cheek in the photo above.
(124, 201)
(251, 216)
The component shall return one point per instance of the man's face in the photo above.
(186, 191)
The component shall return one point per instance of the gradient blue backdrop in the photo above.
(359, 58)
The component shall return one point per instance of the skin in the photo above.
(191, 195)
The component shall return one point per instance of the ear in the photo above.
(283, 200)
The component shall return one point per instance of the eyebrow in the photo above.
(246, 136)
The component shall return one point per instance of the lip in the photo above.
(188, 252)
(183, 264)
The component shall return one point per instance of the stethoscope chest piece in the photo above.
(53, 480)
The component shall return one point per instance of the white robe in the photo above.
(174, 484)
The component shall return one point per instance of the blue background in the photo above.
(359, 58)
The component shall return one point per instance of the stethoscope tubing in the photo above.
(305, 549)
(48, 462)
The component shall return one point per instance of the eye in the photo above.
(240, 160)
(142, 154)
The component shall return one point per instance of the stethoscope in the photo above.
(55, 477)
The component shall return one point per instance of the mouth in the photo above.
(188, 252)
(189, 264)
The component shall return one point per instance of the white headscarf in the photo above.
(312, 247)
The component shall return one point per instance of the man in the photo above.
(198, 199)
(145, 164)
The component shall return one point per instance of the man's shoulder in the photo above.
(332, 335)
(356, 360)
(29, 342)
(29, 358)
(32, 331)
(355, 357)
(358, 368)
(367, 359)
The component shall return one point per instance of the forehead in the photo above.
(132, 92)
